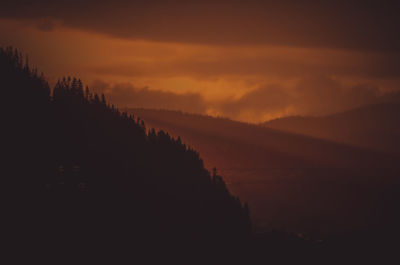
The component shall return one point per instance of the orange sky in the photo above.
(215, 64)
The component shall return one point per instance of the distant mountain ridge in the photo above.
(298, 148)
(288, 179)
(373, 126)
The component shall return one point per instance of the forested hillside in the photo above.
(303, 184)
(82, 175)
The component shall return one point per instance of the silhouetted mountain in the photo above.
(297, 182)
(373, 126)
(84, 178)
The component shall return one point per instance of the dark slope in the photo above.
(82, 178)
(375, 126)
(285, 149)
(297, 182)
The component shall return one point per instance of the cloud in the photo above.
(45, 24)
(258, 103)
(366, 25)
(243, 82)
(126, 95)
(282, 62)
(318, 95)
(313, 96)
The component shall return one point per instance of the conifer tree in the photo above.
(80, 89)
(87, 94)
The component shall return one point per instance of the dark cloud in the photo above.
(126, 95)
(45, 24)
(363, 25)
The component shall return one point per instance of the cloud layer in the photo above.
(247, 60)
(314, 96)
(126, 95)
(353, 24)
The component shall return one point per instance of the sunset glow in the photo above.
(252, 80)
(201, 131)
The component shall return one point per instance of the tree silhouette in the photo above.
(75, 157)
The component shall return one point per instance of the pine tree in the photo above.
(96, 99)
(74, 86)
(80, 89)
(87, 94)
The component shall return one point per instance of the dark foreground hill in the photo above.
(303, 184)
(81, 178)
(374, 126)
